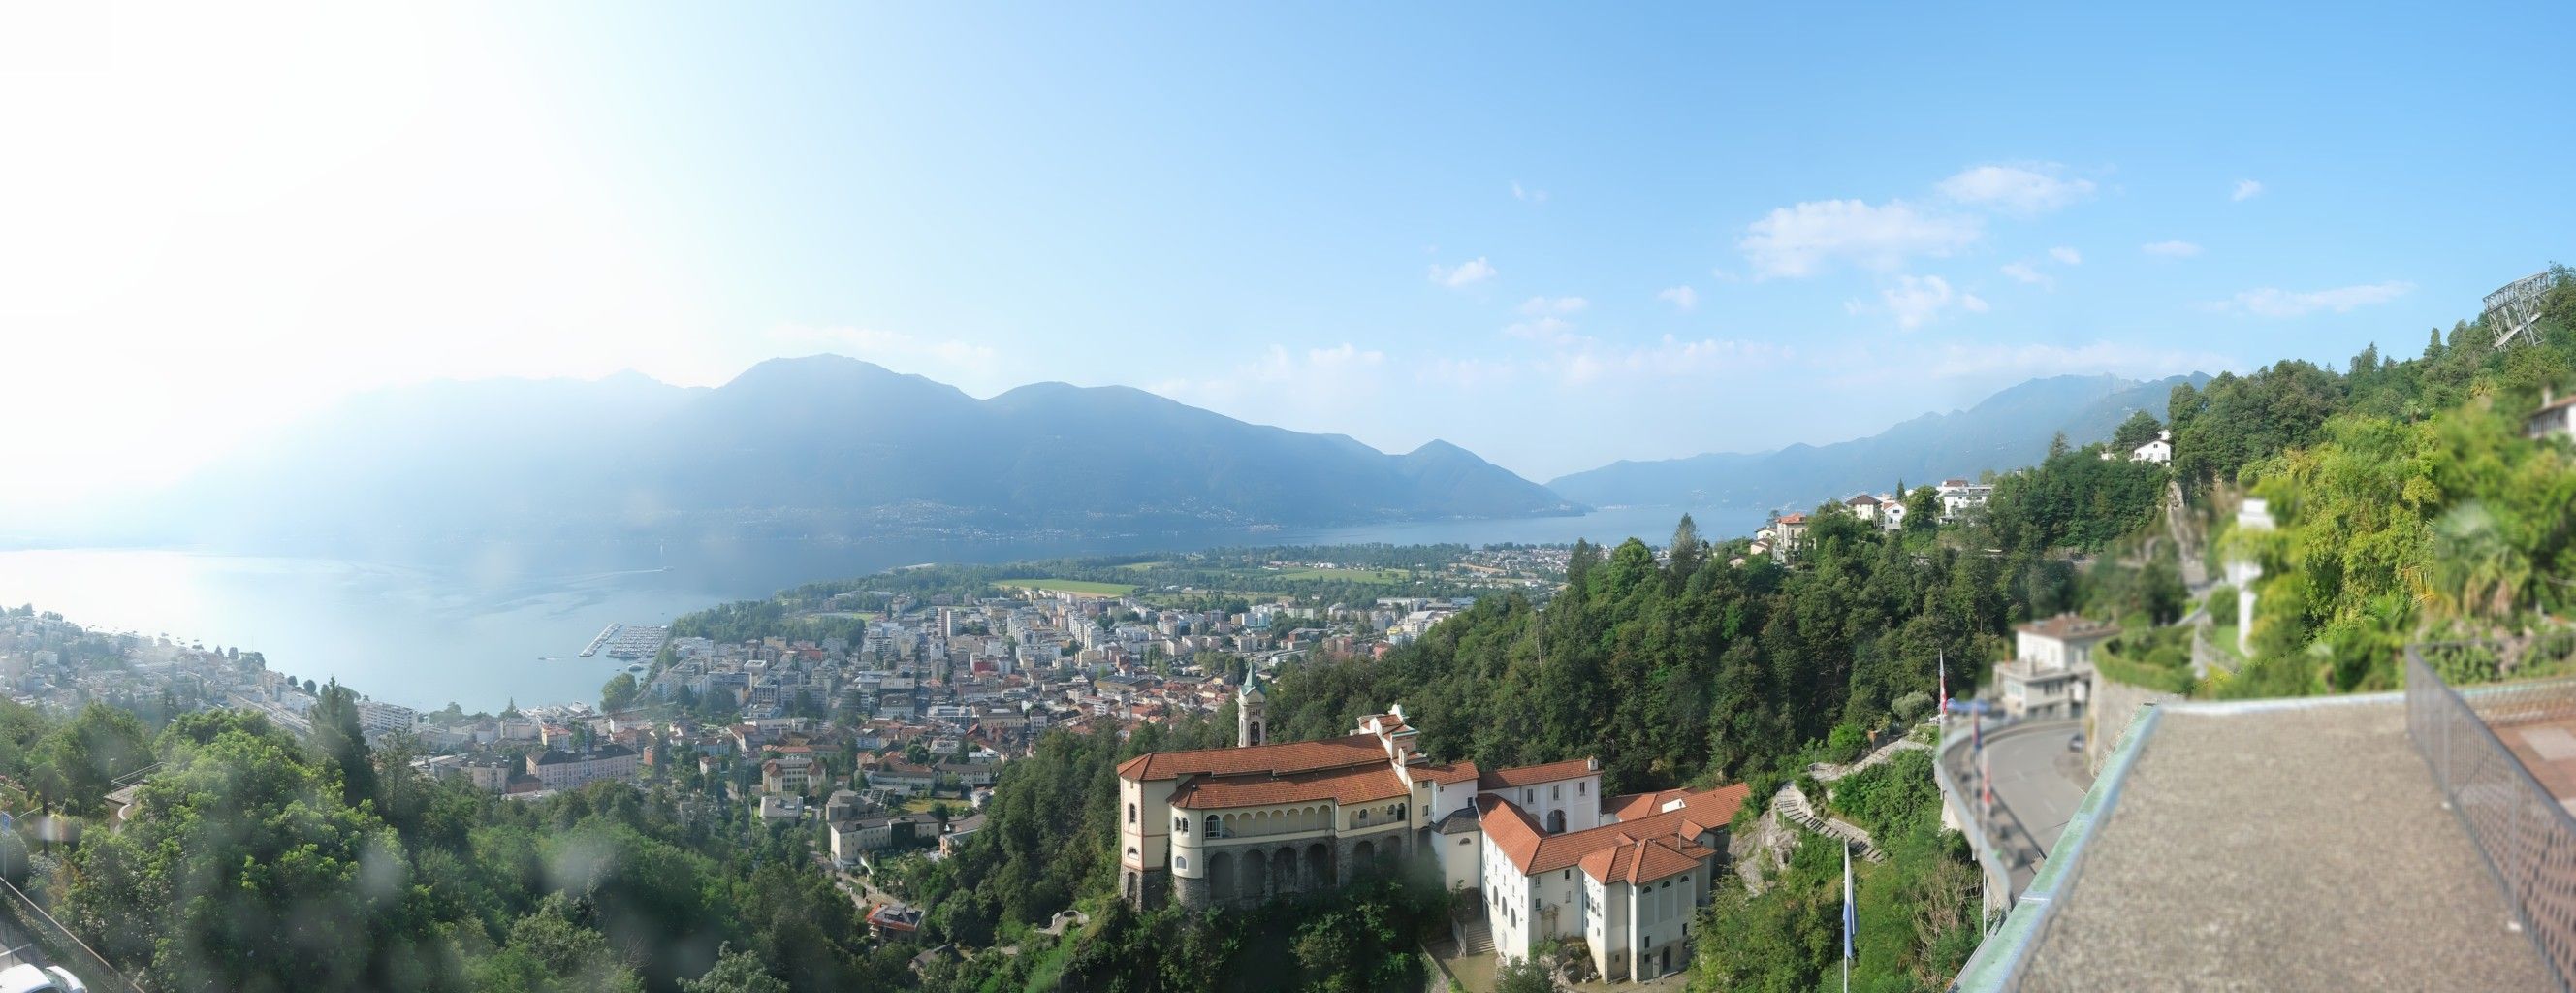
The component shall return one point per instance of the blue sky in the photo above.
(1555, 236)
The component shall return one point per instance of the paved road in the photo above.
(2038, 783)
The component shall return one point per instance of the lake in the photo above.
(475, 634)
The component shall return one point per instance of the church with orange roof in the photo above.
(1548, 856)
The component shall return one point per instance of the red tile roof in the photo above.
(1444, 773)
(1284, 759)
(1638, 805)
(1534, 851)
(1531, 775)
(1645, 861)
(1357, 785)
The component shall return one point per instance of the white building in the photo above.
(2052, 667)
(2557, 415)
(568, 770)
(375, 718)
(1960, 497)
(1548, 855)
(2158, 451)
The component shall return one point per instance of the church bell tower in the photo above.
(1251, 713)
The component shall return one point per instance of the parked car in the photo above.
(2076, 743)
(30, 979)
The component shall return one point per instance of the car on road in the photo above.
(2076, 743)
(31, 979)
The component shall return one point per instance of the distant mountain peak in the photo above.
(2006, 430)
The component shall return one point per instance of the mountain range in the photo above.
(2006, 431)
(829, 449)
(813, 448)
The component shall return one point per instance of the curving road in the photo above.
(2038, 783)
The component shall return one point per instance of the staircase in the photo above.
(1476, 938)
(1792, 804)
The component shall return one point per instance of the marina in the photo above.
(628, 641)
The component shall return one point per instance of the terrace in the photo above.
(2415, 840)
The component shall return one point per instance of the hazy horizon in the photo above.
(1554, 243)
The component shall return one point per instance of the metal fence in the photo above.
(25, 922)
(2526, 836)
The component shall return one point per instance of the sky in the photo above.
(1557, 236)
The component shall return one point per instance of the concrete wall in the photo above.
(2115, 707)
(1461, 858)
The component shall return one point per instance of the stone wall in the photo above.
(2115, 706)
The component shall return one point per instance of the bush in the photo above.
(2221, 605)
(1911, 707)
(1845, 743)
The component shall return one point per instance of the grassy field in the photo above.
(1071, 586)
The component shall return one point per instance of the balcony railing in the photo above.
(2526, 836)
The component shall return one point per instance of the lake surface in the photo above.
(475, 634)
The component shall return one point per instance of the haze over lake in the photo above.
(473, 633)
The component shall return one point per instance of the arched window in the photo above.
(1213, 829)
(1131, 813)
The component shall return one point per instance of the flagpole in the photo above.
(1849, 918)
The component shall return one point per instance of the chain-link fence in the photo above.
(2527, 837)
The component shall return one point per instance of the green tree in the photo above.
(1523, 976)
(339, 739)
(735, 972)
(2139, 429)
(618, 693)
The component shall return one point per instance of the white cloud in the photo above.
(2270, 302)
(1550, 329)
(2170, 249)
(1470, 374)
(2066, 255)
(1804, 239)
(2023, 272)
(1667, 358)
(2033, 189)
(1343, 356)
(1681, 297)
(2246, 189)
(1546, 320)
(1918, 300)
(1526, 194)
(1468, 274)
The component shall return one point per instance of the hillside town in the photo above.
(886, 740)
